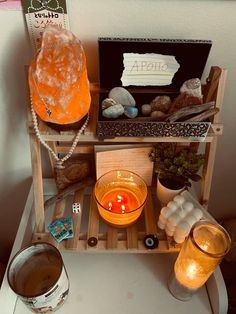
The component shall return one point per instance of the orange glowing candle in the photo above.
(199, 256)
(120, 197)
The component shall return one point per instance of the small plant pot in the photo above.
(167, 189)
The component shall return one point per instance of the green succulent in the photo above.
(175, 162)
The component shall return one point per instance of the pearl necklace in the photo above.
(59, 161)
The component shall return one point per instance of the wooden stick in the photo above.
(77, 186)
(204, 115)
(186, 111)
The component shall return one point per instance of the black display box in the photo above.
(190, 54)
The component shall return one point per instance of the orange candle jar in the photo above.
(199, 256)
(120, 197)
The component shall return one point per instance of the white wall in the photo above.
(90, 19)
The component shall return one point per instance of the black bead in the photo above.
(92, 241)
(151, 241)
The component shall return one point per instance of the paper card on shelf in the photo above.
(132, 159)
(148, 69)
(58, 230)
(39, 14)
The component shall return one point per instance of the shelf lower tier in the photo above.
(89, 226)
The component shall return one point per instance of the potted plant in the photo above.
(177, 166)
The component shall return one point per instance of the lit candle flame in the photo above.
(109, 205)
(123, 208)
(119, 198)
(191, 271)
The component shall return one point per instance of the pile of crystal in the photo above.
(58, 81)
(178, 217)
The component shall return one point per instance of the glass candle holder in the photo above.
(120, 196)
(199, 256)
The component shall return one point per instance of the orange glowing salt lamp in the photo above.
(58, 81)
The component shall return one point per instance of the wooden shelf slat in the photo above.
(132, 237)
(76, 218)
(150, 219)
(93, 222)
(112, 240)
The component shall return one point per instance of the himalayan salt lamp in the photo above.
(58, 81)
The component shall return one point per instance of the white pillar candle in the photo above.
(181, 212)
(183, 228)
(173, 205)
(169, 232)
(177, 218)
(179, 239)
(190, 219)
(181, 231)
(161, 225)
(162, 219)
(187, 206)
(166, 212)
(173, 221)
(179, 199)
(197, 212)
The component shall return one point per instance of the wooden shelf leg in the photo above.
(210, 152)
(37, 183)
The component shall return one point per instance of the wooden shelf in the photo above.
(110, 239)
(88, 224)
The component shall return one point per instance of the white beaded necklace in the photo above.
(59, 161)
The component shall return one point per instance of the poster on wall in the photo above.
(10, 5)
(40, 13)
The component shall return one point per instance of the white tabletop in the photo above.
(123, 283)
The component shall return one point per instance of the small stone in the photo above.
(184, 100)
(190, 94)
(146, 109)
(122, 96)
(158, 115)
(108, 102)
(161, 103)
(131, 112)
(192, 87)
(75, 169)
(113, 112)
